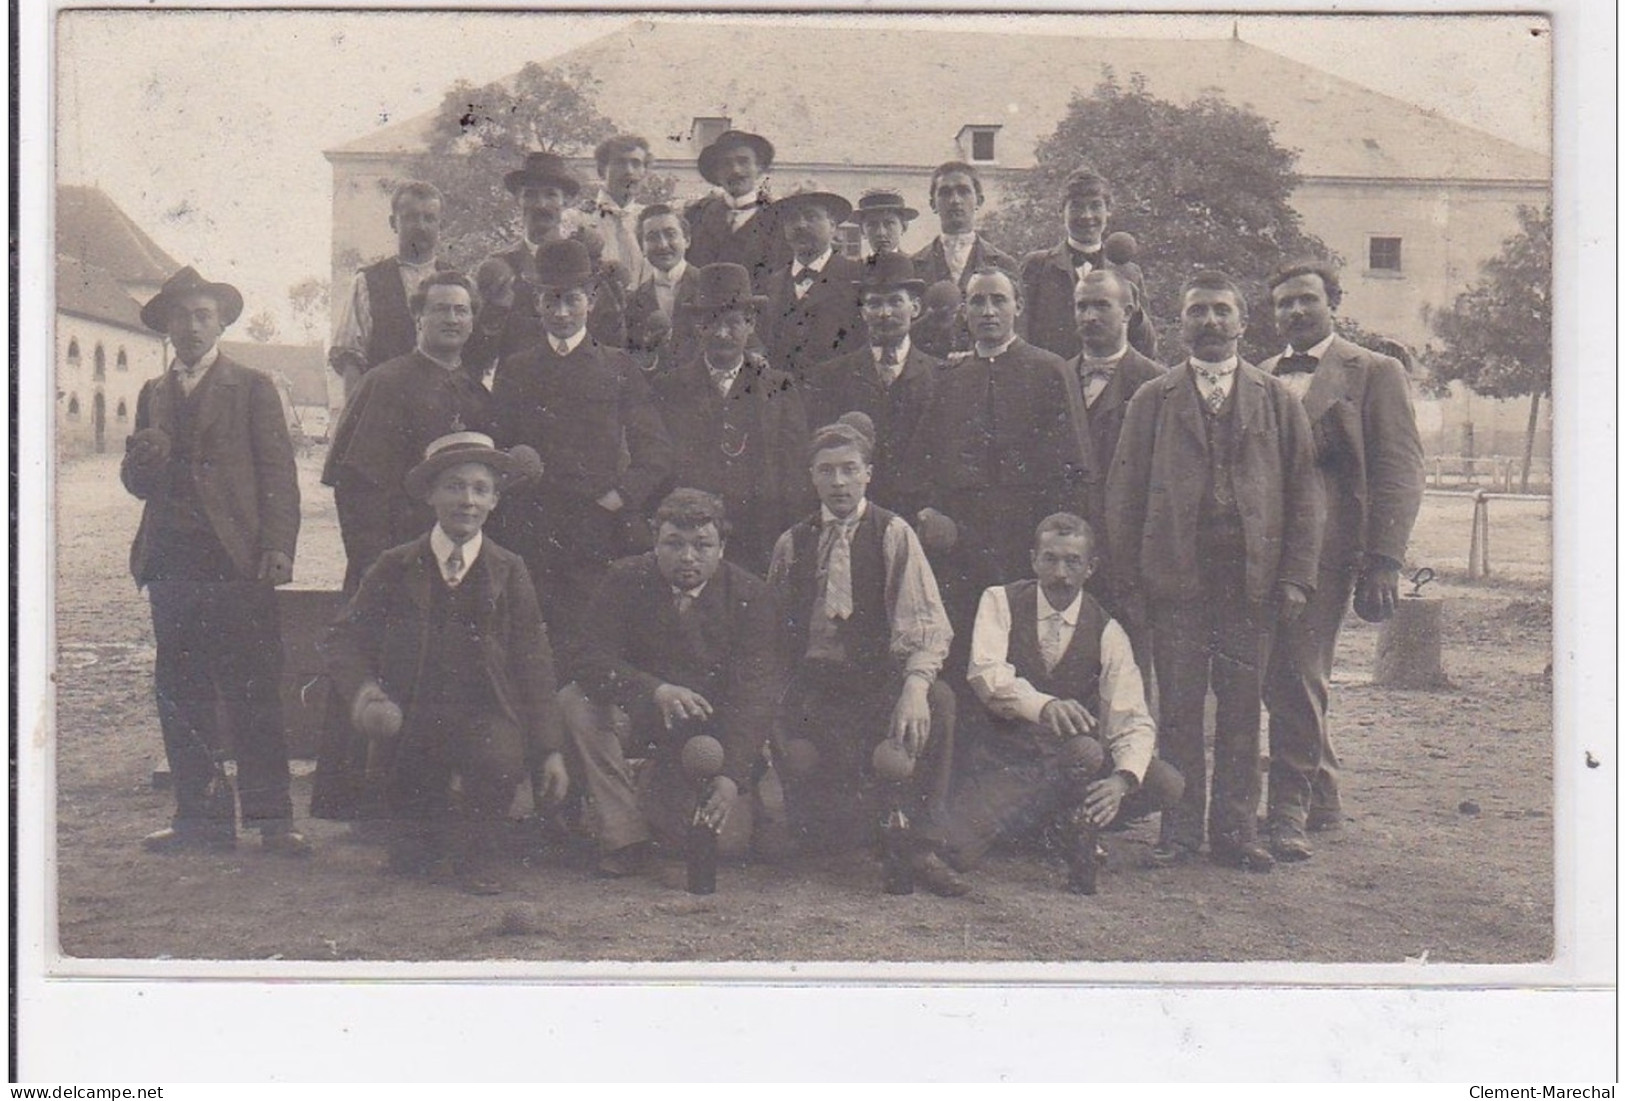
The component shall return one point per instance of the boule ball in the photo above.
(1082, 754)
(800, 757)
(702, 757)
(892, 761)
(379, 718)
(527, 463)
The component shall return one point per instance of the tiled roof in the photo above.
(301, 364)
(793, 83)
(92, 292)
(91, 227)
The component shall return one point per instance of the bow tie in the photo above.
(806, 277)
(1093, 259)
(1297, 364)
(1102, 372)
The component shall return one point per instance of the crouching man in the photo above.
(443, 651)
(1066, 727)
(685, 643)
(868, 728)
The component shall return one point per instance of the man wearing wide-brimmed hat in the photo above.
(890, 379)
(579, 404)
(737, 424)
(735, 224)
(884, 218)
(813, 312)
(442, 656)
(212, 460)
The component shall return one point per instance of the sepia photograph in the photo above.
(939, 497)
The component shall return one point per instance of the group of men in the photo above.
(901, 535)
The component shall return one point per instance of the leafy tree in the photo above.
(1199, 186)
(262, 327)
(1497, 336)
(309, 300)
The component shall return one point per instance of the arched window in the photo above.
(73, 352)
(73, 406)
(123, 361)
(123, 413)
(101, 363)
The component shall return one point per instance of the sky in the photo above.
(207, 128)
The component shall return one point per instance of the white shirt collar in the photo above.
(902, 352)
(1318, 351)
(1104, 361)
(415, 265)
(204, 362)
(830, 518)
(571, 344)
(441, 544)
(1069, 614)
(605, 203)
(999, 351)
(694, 592)
(670, 279)
(817, 265)
(746, 201)
(718, 371)
(959, 240)
(1078, 246)
(1224, 367)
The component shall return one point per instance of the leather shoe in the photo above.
(1289, 845)
(173, 839)
(285, 842)
(933, 873)
(1249, 856)
(1169, 853)
(1325, 821)
(628, 860)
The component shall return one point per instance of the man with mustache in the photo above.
(375, 324)
(736, 224)
(956, 195)
(659, 313)
(1214, 513)
(812, 312)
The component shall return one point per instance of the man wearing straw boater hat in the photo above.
(736, 224)
(812, 314)
(212, 460)
(890, 379)
(442, 652)
(737, 424)
(884, 217)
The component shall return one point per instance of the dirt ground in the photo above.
(1448, 851)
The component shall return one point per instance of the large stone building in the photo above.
(1412, 201)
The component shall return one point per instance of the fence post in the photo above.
(1478, 550)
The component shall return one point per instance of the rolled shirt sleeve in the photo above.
(1130, 734)
(991, 676)
(349, 344)
(920, 632)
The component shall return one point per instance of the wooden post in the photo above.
(1409, 650)
(1478, 549)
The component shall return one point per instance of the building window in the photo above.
(73, 352)
(979, 144)
(101, 363)
(73, 407)
(708, 129)
(123, 413)
(1385, 255)
(849, 239)
(123, 361)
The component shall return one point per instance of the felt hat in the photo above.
(889, 269)
(727, 140)
(155, 314)
(541, 169)
(809, 192)
(454, 450)
(565, 263)
(725, 287)
(879, 200)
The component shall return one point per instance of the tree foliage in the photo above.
(309, 300)
(1199, 186)
(261, 327)
(1497, 336)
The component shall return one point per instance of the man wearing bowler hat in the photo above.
(889, 379)
(1049, 276)
(442, 655)
(812, 312)
(736, 224)
(738, 425)
(212, 460)
(884, 218)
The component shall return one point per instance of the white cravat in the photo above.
(189, 377)
(666, 287)
(1056, 626)
(956, 249)
(1096, 374)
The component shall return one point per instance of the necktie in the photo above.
(838, 584)
(1215, 394)
(683, 601)
(560, 346)
(454, 566)
(737, 215)
(1297, 364)
(890, 365)
(723, 380)
(805, 278)
(1049, 647)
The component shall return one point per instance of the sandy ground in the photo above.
(1449, 850)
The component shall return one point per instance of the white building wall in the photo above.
(78, 384)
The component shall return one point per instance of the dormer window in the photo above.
(978, 144)
(707, 129)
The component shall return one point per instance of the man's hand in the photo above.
(148, 447)
(719, 800)
(611, 501)
(937, 532)
(1067, 718)
(1377, 594)
(911, 718)
(1293, 601)
(555, 779)
(276, 568)
(374, 714)
(676, 702)
(1102, 798)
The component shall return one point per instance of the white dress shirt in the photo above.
(189, 377)
(1096, 374)
(888, 373)
(665, 284)
(1126, 727)
(1298, 382)
(956, 249)
(1214, 376)
(817, 269)
(565, 347)
(442, 545)
(354, 328)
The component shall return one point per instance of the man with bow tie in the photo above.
(865, 636)
(212, 461)
(1049, 277)
(623, 163)
(812, 312)
(1214, 513)
(956, 196)
(736, 224)
(1369, 457)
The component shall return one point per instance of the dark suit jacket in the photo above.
(728, 652)
(1368, 451)
(242, 464)
(758, 246)
(931, 262)
(852, 383)
(822, 324)
(643, 303)
(382, 634)
(1102, 423)
(522, 329)
(1047, 317)
(1159, 476)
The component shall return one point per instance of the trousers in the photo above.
(485, 751)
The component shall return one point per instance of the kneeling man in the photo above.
(442, 650)
(865, 637)
(1066, 726)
